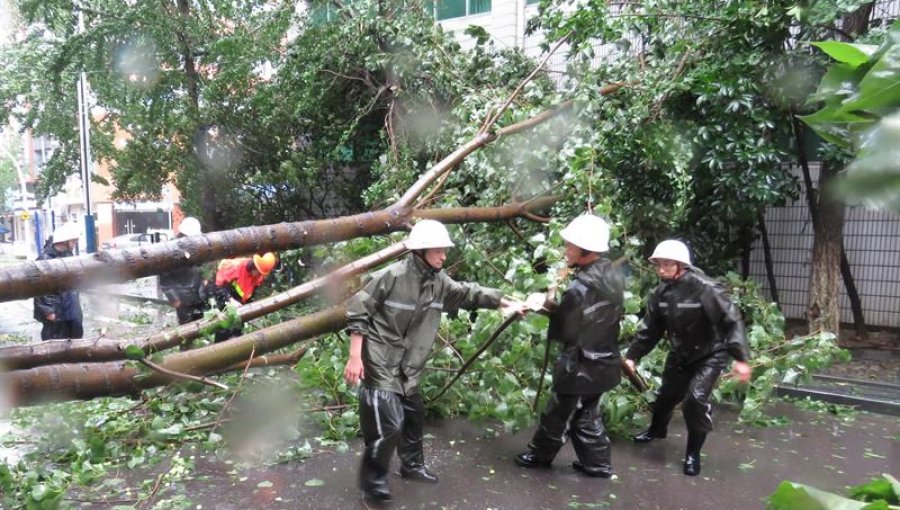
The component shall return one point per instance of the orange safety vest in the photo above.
(234, 273)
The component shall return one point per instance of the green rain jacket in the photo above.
(398, 313)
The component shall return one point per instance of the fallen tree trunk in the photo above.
(37, 278)
(98, 350)
(84, 381)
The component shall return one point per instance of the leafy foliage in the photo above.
(878, 494)
(694, 146)
(860, 94)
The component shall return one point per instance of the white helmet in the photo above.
(428, 234)
(66, 232)
(190, 226)
(588, 232)
(672, 250)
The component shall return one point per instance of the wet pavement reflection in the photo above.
(741, 466)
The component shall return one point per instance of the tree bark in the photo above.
(856, 23)
(823, 313)
(767, 256)
(96, 350)
(38, 278)
(85, 381)
(812, 200)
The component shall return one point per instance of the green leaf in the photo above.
(315, 482)
(848, 53)
(831, 123)
(264, 484)
(877, 489)
(790, 376)
(480, 35)
(795, 496)
(39, 492)
(880, 86)
(838, 82)
(133, 352)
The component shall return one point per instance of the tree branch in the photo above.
(179, 375)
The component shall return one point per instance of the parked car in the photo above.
(133, 240)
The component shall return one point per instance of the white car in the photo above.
(133, 240)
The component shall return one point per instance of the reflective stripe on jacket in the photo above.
(586, 322)
(697, 316)
(398, 313)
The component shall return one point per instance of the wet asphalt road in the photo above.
(741, 466)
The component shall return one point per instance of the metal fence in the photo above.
(872, 243)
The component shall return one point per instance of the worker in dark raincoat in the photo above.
(586, 323)
(60, 313)
(393, 322)
(704, 328)
(184, 287)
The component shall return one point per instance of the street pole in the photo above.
(85, 142)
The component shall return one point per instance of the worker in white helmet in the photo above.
(393, 322)
(586, 323)
(60, 313)
(704, 328)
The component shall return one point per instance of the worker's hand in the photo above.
(742, 371)
(511, 306)
(51, 317)
(354, 371)
(629, 364)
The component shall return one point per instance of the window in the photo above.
(325, 11)
(447, 9)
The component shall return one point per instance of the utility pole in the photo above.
(85, 141)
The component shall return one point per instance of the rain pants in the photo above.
(398, 313)
(586, 323)
(704, 327)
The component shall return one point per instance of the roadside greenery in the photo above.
(860, 94)
(878, 494)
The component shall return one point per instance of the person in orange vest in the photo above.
(236, 280)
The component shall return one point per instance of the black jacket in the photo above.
(697, 316)
(586, 322)
(65, 304)
(184, 284)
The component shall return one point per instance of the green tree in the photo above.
(860, 98)
(10, 168)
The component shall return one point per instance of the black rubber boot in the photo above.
(692, 455)
(378, 498)
(658, 429)
(418, 474)
(531, 460)
(597, 472)
(646, 437)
